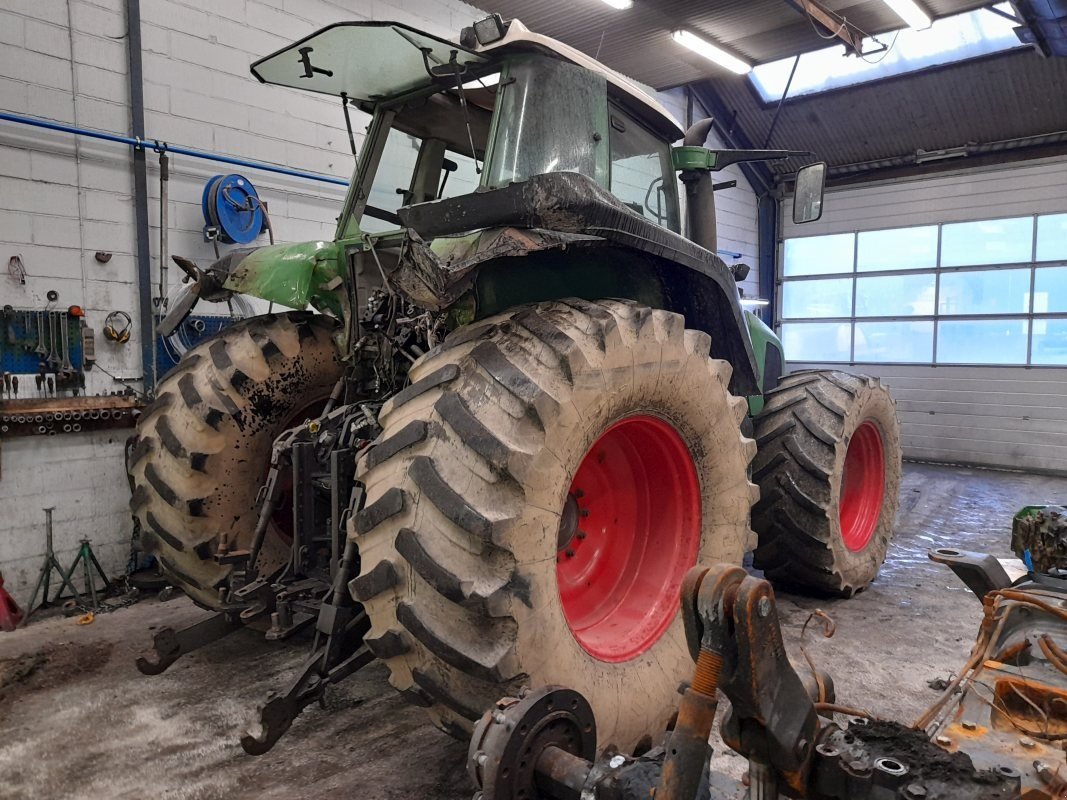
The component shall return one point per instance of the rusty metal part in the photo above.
(772, 719)
(982, 573)
(170, 645)
(1007, 708)
(546, 739)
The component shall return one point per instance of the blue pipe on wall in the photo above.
(158, 146)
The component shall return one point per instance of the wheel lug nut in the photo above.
(580, 535)
(584, 512)
(569, 553)
(578, 493)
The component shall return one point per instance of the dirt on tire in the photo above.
(202, 447)
(803, 434)
(467, 484)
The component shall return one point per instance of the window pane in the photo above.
(832, 298)
(819, 255)
(994, 241)
(993, 341)
(642, 175)
(901, 342)
(817, 341)
(1050, 290)
(992, 291)
(901, 248)
(1052, 237)
(895, 296)
(1050, 342)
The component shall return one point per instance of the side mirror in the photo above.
(807, 194)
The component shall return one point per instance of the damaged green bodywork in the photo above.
(295, 275)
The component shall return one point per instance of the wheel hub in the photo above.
(629, 530)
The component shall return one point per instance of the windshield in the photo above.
(552, 118)
(363, 60)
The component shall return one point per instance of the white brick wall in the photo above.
(61, 200)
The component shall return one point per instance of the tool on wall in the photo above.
(117, 327)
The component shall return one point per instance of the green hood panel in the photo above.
(292, 275)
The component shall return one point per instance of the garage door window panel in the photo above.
(1000, 291)
(992, 241)
(1050, 290)
(897, 248)
(819, 299)
(896, 296)
(1052, 237)
(817, 341)
(895, 342)
(819, 255)
(1049, 342)
(994, 341)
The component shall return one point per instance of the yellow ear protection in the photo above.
(122, 334)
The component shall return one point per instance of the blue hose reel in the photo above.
(232, 207)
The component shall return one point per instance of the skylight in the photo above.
(976, 33)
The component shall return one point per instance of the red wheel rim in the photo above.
(862, 486)
(629, 531)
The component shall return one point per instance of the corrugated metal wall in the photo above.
(995, 416)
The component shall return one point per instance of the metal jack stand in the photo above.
(51, 563)
(89, 563)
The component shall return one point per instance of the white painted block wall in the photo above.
(62, 200)
(994, 416)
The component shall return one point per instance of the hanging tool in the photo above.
(9, 324)
(40, 335)
(67, 367)
(53, 358)
(15, 385)
(7, 383)
(27, 321)
(51, 385)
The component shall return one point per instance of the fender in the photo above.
(622, 254)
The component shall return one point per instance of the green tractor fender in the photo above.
(562, 235)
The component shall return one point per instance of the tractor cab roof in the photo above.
(368, 62)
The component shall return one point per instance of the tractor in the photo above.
(526, 402)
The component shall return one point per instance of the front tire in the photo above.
(829, 469)
(202, 447)
(525, 444)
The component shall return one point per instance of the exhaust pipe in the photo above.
(700, 192)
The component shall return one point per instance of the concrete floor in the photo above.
(86, 724)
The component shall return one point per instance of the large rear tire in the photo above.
(202, 447)
(535, 499)
(829, 468)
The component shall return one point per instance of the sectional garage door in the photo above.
(953, 290)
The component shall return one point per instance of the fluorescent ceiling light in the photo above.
(622, 5)
(910, 12)
(711, 52)
(754, 302)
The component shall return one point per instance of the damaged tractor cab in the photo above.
(449, 469)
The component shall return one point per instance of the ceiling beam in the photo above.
(834, 23)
